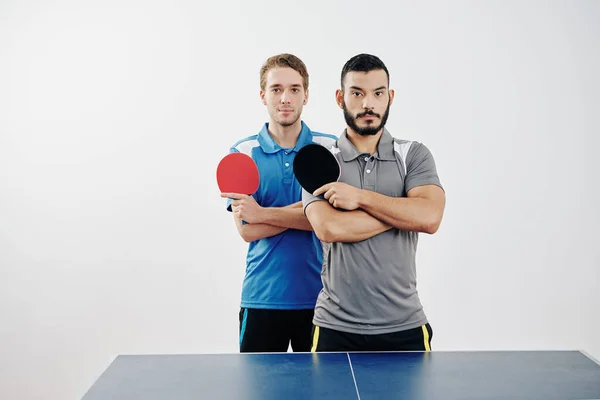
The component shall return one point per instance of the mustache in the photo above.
(368, 112)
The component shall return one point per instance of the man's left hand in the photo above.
(340, 195)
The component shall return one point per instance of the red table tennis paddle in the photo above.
(315, 166)
(238, 173)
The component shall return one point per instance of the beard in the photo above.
(285, 122)
(368, 130)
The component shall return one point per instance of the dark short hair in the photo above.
(363, 63)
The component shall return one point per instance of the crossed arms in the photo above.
(364, 213)
(370, 213)
(262, 222)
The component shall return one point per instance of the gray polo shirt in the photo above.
(370, 287)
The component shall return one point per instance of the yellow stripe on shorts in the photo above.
(315, 340)
(426, 338)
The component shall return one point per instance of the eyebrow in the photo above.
(279, 85)
(376, 89)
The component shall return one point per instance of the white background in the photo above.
(114, 115)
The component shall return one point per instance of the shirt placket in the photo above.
(369, 173)
(287, 161)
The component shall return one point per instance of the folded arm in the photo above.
(262, 222)
(290, 217)
(421, 211)
(333, 225)
(252, 232)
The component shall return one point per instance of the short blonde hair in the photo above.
(284, 60)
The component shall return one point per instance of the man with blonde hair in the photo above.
(283, 263)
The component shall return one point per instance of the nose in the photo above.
(285, 97)
(367, 102)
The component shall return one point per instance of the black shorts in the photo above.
(416, 339)
(265, 330)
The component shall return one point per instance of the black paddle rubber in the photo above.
(315, 166)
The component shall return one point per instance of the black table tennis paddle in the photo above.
(315, 166)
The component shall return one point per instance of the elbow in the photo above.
(430, 229)
(326, 232)
(322, 221)
(326, 237)
(246, 235)
(247, 238)
(323, 235)
(432, 225)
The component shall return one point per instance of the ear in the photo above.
(305, 97)
(391, 92)
(339, 98)
(262, 97)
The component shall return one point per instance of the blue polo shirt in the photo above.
(282, 271)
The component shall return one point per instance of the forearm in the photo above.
(257, 231)
(405, 213)
(252, 232)
(332, 225)
(289, 217)
(354, 226)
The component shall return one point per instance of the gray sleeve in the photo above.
(420, 168)
(308, 198)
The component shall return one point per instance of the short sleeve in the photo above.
(308, 198)
(420, 168)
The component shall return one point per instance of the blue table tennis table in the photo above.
(543, 375)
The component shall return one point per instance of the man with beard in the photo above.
(388, 193)
(284, 258)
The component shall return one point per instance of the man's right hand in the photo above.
(245, 207)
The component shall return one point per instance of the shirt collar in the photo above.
(385, 147)
(269, 145)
